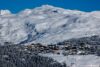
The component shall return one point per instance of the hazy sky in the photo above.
(19, 5)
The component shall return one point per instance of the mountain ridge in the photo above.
(48, 24)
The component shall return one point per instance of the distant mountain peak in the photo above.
(5, 12)
(47, 24)
(47, 6)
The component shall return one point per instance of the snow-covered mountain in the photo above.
(47, 24)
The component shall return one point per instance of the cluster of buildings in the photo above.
(66, 49)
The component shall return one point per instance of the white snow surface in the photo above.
(76, 60)
(47, 24)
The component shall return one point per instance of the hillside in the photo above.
(47, 24)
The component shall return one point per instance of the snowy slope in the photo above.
(47, 24)
(77, 60)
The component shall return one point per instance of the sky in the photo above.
(16, 6)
